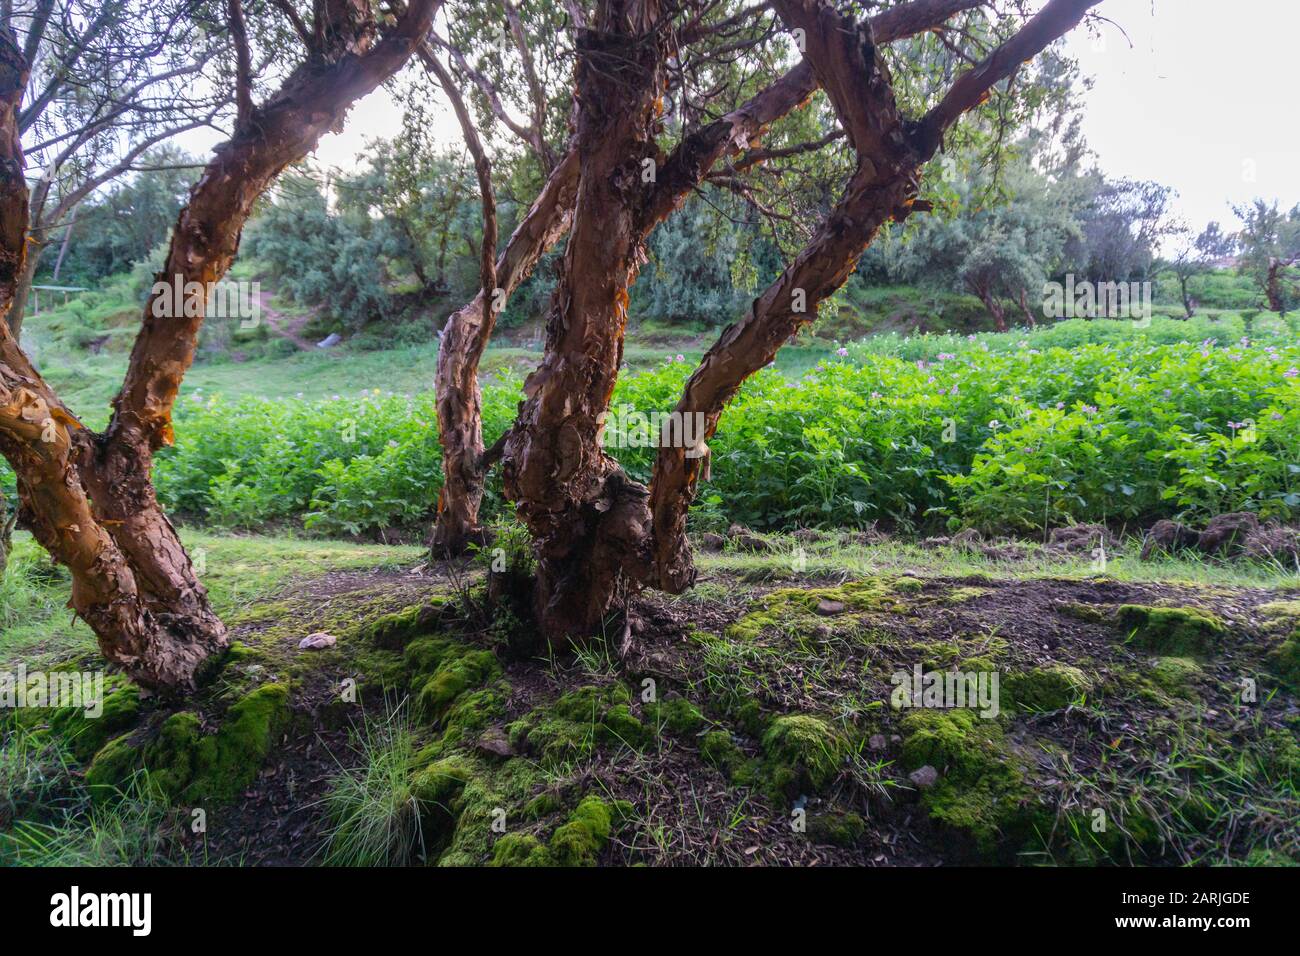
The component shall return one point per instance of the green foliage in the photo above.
(1077, 422)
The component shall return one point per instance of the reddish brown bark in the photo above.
(88, 498)
(466, 334)
(891, 152)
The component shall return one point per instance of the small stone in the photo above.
(924, 777)
(317, 642)
(877, 742)
(828, 608)
(494, 742)
(712, 542)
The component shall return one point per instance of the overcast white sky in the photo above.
(1202, 95)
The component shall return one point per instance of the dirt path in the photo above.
(284, 326)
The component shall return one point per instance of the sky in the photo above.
(1199, 95)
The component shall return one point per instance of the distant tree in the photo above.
(1121, 225)
(1270, 248)
(110, 232)
(997, 252)
(1194, 254)
(109, 81)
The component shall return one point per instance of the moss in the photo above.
(472, 712)
(1045, 688)
(520, 849)
(116, 761)
(717, 748)
(960, 595)
(1091, 613)
(1176, 675)
(1284, 662)
(171, 756)
(581, 841)
(572, 727)
(423, 656)
(837, 829)
(795, 606)
(1281, 610)
(1172, 631)
(228, 762)
(981, 793)
(677, 715)
(456, 674)
(394, 631)
(85, 734)
(542, 805)
(803, 750)
(619, 725)
(437, 784)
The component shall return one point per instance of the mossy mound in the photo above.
(578, 842)
(981, 792)
(1172, 631)
(87, 726)
(676, 716)
(1045, 688)
(843, 829)
(577, 723)
(802, 751)
(181, 763)
(793, 607)
(394, 631)
(1176, 675)
(1284, 662)
(718, 749)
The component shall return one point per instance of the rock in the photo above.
(317, 642)
(750, 542)
(1168, 536)
(1228, 532)
(712, 542)
(494, 742)
(736, 530)
(924, 777)
(329, 341)
(1079, 538)
(829, 608)
(807, 534)
(877, 742)
(1274, 543)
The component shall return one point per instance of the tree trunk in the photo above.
(23, 290)
(1026, 311)
(582, 511)
(460, 423)
(88, 498)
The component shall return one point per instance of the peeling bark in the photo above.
(465, 336)
(88, 498)
(583, 513)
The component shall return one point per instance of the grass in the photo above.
(239, 571)
(374, 815)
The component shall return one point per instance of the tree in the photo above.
(1194, 255)
(87, 497)
(996, 251)
(110, 80)
(598, 535)
(1270, 246)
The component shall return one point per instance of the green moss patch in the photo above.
(577, 723)
(1172, 631)
(1045, 688)
(802, 751)
(182, 763)
(981, 792)
(1176, 675)
(796, 607)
